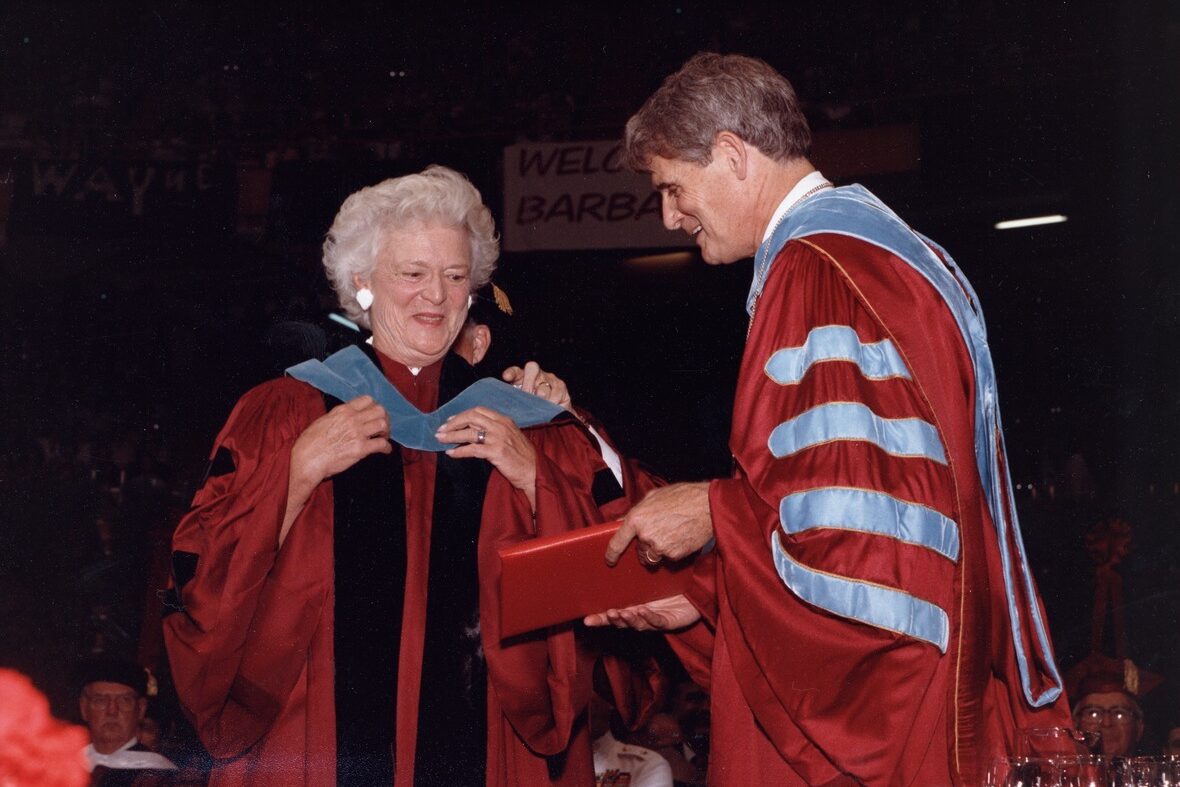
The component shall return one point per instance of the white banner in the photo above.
(578, 195)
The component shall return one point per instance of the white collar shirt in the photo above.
(809, 181)
(123, 758)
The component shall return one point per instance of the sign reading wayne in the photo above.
(113, 198)
(579, 195)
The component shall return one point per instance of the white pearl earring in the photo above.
(364, 298)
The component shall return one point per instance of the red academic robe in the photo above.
(252, 651)
(801, 693)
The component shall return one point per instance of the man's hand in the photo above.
(672, 522)
(666, 614)
(535, 380)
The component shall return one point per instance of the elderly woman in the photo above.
(328, 584)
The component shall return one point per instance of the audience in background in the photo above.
(690, 705)
(681, 733)
(662, 735)
(85, 484)
(1172, 741)
(618, 761)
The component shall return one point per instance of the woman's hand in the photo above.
(340, 438)
(535, 380)
(331, 444)
(486, 434)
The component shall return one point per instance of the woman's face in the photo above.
(420, 285)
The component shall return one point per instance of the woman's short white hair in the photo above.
(438, 195)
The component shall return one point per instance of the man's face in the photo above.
(662, 730)
(1172, 745)
(112, 711)
(1116, 716)
(690, 703)
(689, 698)
(704, 202)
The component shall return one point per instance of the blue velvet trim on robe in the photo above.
(875, 605)
(866, 511)
(910, 437)
(349, 373)
(876, 360)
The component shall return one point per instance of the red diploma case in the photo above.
(551, 580)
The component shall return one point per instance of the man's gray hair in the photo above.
(436, 196)
(712, 93)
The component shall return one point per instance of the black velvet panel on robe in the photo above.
(370, 559)
(369, 546)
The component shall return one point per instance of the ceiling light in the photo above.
(1032, 221)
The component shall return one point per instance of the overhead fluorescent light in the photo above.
(1033, 221)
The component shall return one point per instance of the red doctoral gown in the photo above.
(889, 516)
(251, 649)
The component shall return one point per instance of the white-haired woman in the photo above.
(327, 583)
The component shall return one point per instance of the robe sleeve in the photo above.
(541, 681)
(836, 539)
(244, 609)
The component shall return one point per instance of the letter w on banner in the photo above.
(579, 195)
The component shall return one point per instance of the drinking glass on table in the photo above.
(1050, 741)
(1052, 757)
(1065, 770)
(1161, 771)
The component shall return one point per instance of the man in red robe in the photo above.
(863, 612)
(257, 630)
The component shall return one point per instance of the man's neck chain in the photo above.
(763, 266)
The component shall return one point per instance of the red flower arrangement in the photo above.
(37, 750)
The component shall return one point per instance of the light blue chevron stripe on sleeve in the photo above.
(874, 605)
(854, 421)
(876, 360)
(867, 511)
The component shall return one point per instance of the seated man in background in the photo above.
(664, 736)
(681, 735)
(617, 761)
(1106, 705)
(689, 703)
(1172, 741)
(113, 702)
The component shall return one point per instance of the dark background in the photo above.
(127, 338)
